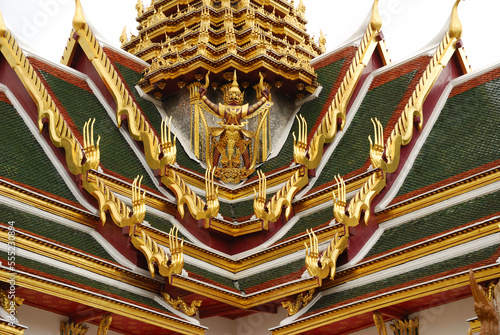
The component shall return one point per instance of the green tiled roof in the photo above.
(272, 274)
(311, 221)
(236, 210)
(465, 136)
(22, 158)
(209, 275)
(162, 224)
(437, 222)
(249, 281)
(353, 150)
(310, 111)
(112, 289)
(54, 231)
(82, 105)
(149, 109)
(430, 270)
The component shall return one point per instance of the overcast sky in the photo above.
(408, 25)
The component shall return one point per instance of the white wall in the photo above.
(445, 319)
(256, 324)
(40, 322)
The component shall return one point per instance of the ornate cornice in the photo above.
(374, 303)
(84, 261)
(182, 39)
(113, 306)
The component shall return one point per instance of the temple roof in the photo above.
(109, 207)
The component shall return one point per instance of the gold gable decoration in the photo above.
(233, 148)
(182, 38)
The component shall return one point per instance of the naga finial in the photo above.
(79, 19)
(375, 20)
(455, 24)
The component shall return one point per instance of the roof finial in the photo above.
(3, 28)
(79, 19)
(235, 80)
(375, 20)
(455, 24)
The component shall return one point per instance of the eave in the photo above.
(440, 193)
(432, 288)
(101, 302)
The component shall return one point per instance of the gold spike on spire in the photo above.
(79, 19)
(455, 24)
(3, 28)
(376, 20)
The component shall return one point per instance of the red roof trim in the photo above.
(476, 81)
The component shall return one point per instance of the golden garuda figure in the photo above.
(231, 154)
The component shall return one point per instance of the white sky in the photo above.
(408, 25)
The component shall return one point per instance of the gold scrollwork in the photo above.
(359, 206)
(326, 265)
(168, 147)
(167, 266)
(405, 327)
(185, 196)
(301, 301)
(120, 213)
(379, 323)
(68, 328)
(485, 308)
(271, 211)
(181, 305)
(9, 304)
(104, 324)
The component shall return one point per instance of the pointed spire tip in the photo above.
(455, 24)
(375, 20)
(79, 19)
(3, 28)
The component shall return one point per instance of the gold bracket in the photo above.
(181, 305)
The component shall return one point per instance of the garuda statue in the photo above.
(231, 145)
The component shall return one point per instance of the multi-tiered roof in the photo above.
(409, 149)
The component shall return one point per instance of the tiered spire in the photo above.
(183, 38)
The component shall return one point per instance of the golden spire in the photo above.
(376, 20)
(3, 28)
(301, 9)
(455, 24)
(235, 80)
(79, 19)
